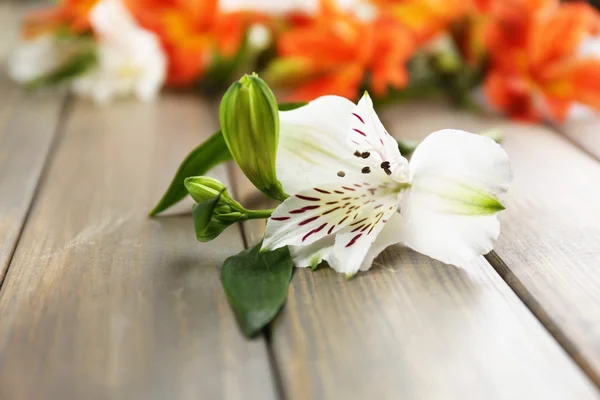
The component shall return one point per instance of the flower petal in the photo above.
(369, 137)
(450, 210)
(313, 254)
(312, 146)
(354, 242)
(311, 215)
(317, 212)
(389, 235)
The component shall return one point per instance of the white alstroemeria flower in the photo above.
(130, 58)
(353, 194)
(34, 58)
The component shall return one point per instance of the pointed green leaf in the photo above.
(203, 158)
(256, 285)
(291, 106)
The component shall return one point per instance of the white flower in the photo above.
(259, 37)
(34, 58)
(130, 59)
(354, 194)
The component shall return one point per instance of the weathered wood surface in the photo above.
(28, 124)
(549, 248)
(101, 302)
(413, 328)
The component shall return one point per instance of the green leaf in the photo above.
(204, 157)
(256, 285)
(291, 106)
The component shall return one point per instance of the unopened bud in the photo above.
(250, 125)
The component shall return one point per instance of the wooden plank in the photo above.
(585, 132)
(101, 302)
(413, 328)
(28, 123)
(549, 248)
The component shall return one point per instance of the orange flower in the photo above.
(68, 14)
(334, 51)
(424, 18)
(535, 67)
(191, 31)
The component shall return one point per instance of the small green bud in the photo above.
(250, 124)
(203, 188)
(216, 210)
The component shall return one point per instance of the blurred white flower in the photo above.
(589, 47)
(130, 59)
(353, 194)
(259, 36)
(34, 58)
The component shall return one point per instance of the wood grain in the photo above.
(414, 328)
(549, 248)
(28, 124)
(101, 302)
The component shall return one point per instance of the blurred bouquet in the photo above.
(533, 58)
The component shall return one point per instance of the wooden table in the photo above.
(100, 302)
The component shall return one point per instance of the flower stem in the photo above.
(258, 214)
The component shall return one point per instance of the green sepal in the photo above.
(256, 284)
(207, 228)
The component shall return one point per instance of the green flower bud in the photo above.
(213, 200)
(203, 188)
(216, 210)
(250, 125)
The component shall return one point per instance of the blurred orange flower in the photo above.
(424, 18)
(68, 14)
(191, 31)
(334, 51)
(535, 68)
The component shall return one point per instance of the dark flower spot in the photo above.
(365, 154)
(341, 174)
(366, 170)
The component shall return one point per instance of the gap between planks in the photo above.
(54, 142)
(236, 177)
(29, 126)
(102, 302)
